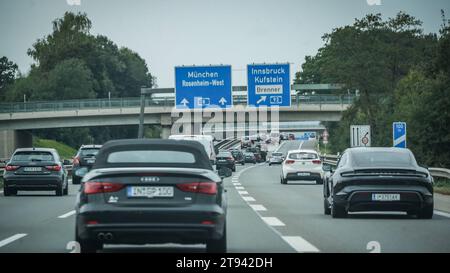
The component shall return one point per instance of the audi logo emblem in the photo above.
(149, 179)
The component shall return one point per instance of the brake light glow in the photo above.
(55, 168)
(199, 187)
(317, 161)
(93, 187)
(11, 167)
(290, 161)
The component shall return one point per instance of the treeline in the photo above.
(401, 74)
(71, 63)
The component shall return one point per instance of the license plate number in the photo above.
(32, 169)
(385, 197)
(150, 192)
(302, 174)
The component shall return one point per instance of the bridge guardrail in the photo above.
(41, 106)
(435, 172)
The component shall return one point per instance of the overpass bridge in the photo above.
(16, 118)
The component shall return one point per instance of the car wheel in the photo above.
(326, 206)
(66, 189)
(218, 245)
(319, 181)
(426, 212)
(338, 211)
(242, 163)
(59, 190)
(234, 168)
(8, 192)
(283, 180)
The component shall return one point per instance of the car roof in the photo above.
(51, 150)
(377, 149)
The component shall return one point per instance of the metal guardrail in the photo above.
(41, 106)
(435, 172)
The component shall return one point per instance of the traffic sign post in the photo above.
(269, 85)
(305, 136)
(360, 136)
(203, 87)
(399, 134)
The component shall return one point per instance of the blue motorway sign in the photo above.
(305, 135)
(269, 85)
(203, 87)
(399, 134)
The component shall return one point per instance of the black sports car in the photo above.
(143, 191)
(378, 179)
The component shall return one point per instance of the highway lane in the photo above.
(30, 223)
(298, 206)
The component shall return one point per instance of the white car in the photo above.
(302, 165)
(206, 140)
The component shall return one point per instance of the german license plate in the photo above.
(150, 192)
(385, 197)
(90, 161)
(32, 169)
(302, 174)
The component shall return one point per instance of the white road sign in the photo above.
(360, 136)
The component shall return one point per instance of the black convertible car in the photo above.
(145, 191)
(378, 179)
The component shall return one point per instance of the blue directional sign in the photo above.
(203, 87)
(305, 136)
(399, 134)
(269, 85)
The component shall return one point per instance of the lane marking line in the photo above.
(237, 184)
(248, 198)
(239, 188)
(273, 221)
(12, 239)
(300, 244)
(258, 207)
(243, 192)
(441, 213)
(70, 213)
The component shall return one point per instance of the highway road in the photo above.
(263, 216)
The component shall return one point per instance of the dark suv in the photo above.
(225, 159)
(238, 156)
(83, 161)
(35, 169)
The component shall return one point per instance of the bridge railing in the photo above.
(82, 104)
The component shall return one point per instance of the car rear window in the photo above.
(151, 156)
(32, 156)
(85, 152)
(303, 156)
(277, 154)
(382, 158)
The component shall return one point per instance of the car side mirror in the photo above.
(224, 172)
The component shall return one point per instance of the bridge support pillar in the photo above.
(13, 139)
(165, 131)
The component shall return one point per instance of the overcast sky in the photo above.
(167, 33)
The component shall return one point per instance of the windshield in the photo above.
(89, 152)
(303, 156)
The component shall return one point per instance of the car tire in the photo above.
(9, 192)
(270, 164)
(66, 189)
(234, 168)
(283, 181)
(242, 163)
(338, 211)
(59, 190)
(76, 181)
(326, 206)
(218, 245)
(319, 181)
(426, 212)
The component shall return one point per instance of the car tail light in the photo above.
(290, 161)
(317, 161)
(199, 187)
(55, 168)
(11, 167)
(231, 158)
(92, 187)
(76, 161)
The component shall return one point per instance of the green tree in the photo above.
(8, 71)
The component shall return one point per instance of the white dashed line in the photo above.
(441, 213)
(258, 207)
(273, 221)
(12, 239)
(243, 192)
(70, 213)
(237, 184)
(248, 198)
(239, 188)
(300, 244)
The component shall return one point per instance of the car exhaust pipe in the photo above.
(109, 236)
(101, 236)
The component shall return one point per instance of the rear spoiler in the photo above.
(384, 172)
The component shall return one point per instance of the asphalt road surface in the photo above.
(263, 216)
